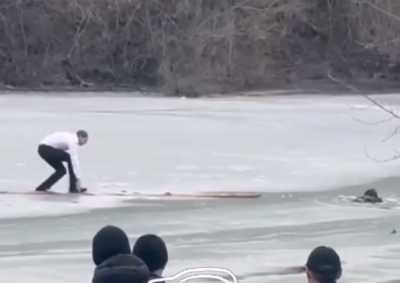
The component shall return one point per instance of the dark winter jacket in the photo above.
(123, 268)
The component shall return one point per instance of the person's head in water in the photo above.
(153, 251)
(371, 195)
(323, 266)
(82, 137)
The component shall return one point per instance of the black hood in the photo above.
(108, 242)
(122, 269)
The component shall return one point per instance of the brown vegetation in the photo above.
(196, 46)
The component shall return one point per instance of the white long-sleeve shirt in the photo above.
(69, 143)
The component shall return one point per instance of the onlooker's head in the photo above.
(108, 242)
(323, 266)
(113, 259)
(82, 137)
(153, 251)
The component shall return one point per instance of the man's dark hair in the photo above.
(82, 133)
(371, 193)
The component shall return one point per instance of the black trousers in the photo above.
(55, 158)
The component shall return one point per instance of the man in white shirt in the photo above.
(62, 147)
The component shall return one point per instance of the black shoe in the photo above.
(75, 191)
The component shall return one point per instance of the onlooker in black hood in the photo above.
(112, 255)
(323, 266)
(153, 251)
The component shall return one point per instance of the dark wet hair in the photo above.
(152, 250)
(325, 264)
(82, 133)
(371, 193)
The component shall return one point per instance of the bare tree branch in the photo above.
(393, 115)
(396, 156)
(80, 29)
(370, 99)
(373, 123)
(379, 105)
(18, 5)
(395, 132)
(387, 13)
